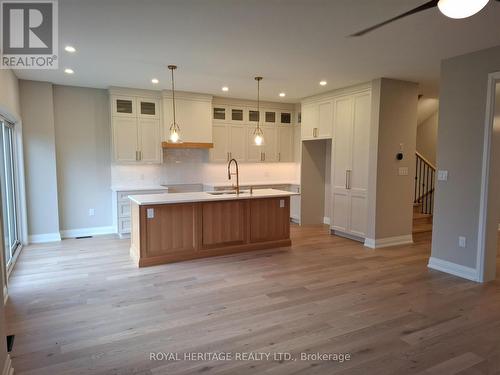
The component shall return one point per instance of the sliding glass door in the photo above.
(8, 191)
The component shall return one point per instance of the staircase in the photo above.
(423, 203)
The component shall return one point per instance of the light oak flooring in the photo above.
(81, 307)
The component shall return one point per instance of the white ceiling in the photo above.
(293, 44)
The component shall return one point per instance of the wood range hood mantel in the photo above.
(198, 145)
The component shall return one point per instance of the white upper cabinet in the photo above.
(193, 113)
(220, 114)
(125, 143)
(237, 142)
(325, 120)
(270, 117)
(270, 147)
(310, 119)
(286, 118)
(317, 120)
(149, 140)
(285, 144)
(136, 128)
(220, 151)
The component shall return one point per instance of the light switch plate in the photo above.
(282, 203)
(442, 175)
(150, 213)
(403, 171)
(462, 241)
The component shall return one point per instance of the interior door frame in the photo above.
(482, 250)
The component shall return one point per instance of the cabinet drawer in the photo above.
(124, 209)
(124, 225)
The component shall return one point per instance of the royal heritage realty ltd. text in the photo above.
(249, 356)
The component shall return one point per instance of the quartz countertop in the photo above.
(250, 183)
(138, 187)
(169, 198)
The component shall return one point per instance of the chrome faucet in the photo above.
(229, 174)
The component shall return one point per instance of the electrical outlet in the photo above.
(91, 212)
(403, 171)
(150, 213)
(462, 241)
(282, 203)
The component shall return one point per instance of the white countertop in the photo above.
(169, 198)
(138, 187)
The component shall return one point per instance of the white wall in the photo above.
(460, 151)
(83, 150)
(394, 122)
(40, 160)
(427, 133)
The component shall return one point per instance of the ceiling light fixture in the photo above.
(155, 81)
(175, 130)
(461, 8)
(258, 134)
(225, 88)
(70, 49)
(282, 94)
(69, 71)
(322, 83)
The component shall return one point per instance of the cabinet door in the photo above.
(238, 142)
(125, 142)
(341, 164)
(310, 118)
(285, 144)
(220, 113)
(220, 151)
(124, 106)
(193, 117)
(270, 148)
(325, 119)
(254, 152)
(270, 117)
(148, 108)
(150, 141)
(297, 144)
(358, 184)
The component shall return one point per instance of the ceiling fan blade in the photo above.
(421, 8)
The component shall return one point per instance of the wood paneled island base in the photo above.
(172, 232)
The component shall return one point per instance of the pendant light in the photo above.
(258, 134)
(461, 8)
(175, 130)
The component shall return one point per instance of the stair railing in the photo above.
(425, 180)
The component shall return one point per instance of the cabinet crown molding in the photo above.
(167, 94)
(351, 90)
(124, 91)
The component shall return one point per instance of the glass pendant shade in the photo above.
(461, 8)
(258, 134)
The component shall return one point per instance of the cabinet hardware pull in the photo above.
(264, 156)
(140, 155)
(137, 156)
(346, 179)
(279, 156)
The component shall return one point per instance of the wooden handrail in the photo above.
(425, 160)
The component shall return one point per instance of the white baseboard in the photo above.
(453, 269)
(389, 241)
(82, 232)
(295, 219)
(5, 294)
(346, 235)
(326, 220)
(7, 368)
(45, 237)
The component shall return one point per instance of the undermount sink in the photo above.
(225, 192)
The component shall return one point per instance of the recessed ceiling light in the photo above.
(155, 81)
(69, 71)
(225, 88)
(322, 83)
(282, 94)
(70, 49)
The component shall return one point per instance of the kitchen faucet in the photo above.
(229, 174)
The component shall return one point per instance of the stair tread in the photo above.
(422, 228)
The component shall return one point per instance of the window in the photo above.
(8, 187)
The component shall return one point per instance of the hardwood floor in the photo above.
(82, 307)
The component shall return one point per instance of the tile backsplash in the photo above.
(193, 167)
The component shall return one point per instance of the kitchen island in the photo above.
(174, 227)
